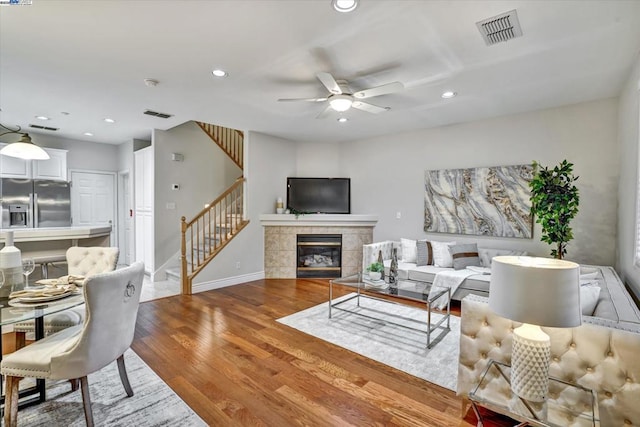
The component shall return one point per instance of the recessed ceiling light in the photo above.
(343, 119)
(42, 117)
(88, 134)
(344, 5)
(108, 120)
(219, 73)
(448, 94)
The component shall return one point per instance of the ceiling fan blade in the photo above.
(369, 108)
(329, 82)
(379, 90)
(325, 112)
(302, 99)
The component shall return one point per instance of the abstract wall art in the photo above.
(487, 201)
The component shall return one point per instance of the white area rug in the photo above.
(371, 330)
(152, 404)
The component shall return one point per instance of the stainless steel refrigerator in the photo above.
(36, 203)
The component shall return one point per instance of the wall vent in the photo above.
(43, 127)
(157, 114)
(500, 28)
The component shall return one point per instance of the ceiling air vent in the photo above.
(156, 114)
(43, 127)
(500, 28)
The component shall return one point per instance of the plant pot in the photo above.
(375, 275)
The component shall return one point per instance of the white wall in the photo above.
(203, 175)
(387, 173)
(629, 114)
(86, 155)
(268, 163)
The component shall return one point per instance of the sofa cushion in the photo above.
(589, 293)
(424, 253)
(464, 255)
(408, 250)
(487, 254)
(441, 255)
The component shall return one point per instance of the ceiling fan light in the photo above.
(340, 102)
(25, 149)
(344, 5)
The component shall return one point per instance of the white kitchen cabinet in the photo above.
(54, 168)
(13, 167)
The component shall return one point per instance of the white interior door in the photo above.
(93, 200)
(125, 218)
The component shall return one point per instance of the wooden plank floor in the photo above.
(226, 356)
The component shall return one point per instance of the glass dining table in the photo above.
(15, 312)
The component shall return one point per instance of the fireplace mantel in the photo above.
(280, 246)
(318, 220)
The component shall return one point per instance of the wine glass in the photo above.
(28, 265)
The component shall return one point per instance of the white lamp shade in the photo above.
(539, 291)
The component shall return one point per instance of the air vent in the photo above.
(43, 127)
(500, 28)
(156, 114)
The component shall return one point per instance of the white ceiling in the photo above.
(89, 58)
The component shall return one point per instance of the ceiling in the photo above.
(90, 58)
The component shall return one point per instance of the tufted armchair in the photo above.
(81, 261)
(600, 354)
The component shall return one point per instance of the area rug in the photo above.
(153, 402)
(372, 330)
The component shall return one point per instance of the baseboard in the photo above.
(227, 281)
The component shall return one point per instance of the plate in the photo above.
(46, 298)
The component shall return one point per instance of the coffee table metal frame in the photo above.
(356, 281)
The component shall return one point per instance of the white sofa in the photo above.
(477, 284)
(600, 354)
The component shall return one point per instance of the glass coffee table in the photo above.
(410, 290)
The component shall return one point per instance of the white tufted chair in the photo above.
(600, 354)
(81, 261)
(112, 301)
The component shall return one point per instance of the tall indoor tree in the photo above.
(554, 203)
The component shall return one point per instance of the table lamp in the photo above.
(537, 292)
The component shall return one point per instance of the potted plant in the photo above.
(554, 202)
(375, 270)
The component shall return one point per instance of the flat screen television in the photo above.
(319, 195)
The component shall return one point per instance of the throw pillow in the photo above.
(408, 250)
(424, 253)
(589, 294)
(441, 255)
(464, 255)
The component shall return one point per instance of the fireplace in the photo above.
(319, 255)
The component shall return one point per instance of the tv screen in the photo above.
(319, 195)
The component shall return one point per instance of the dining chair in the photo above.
(81, 261)
(112, 301)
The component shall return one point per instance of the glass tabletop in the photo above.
(404, 288)
(13, 314)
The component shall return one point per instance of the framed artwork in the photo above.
(488, 201)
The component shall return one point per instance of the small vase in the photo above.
(393, 269)
(375, 275)
(381, 262)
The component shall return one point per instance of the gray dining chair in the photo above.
(81, 261)
(112, 301)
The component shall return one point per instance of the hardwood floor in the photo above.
(226, 356)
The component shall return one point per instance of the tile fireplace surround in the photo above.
(280, 244)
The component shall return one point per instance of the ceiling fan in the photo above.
(341, 97)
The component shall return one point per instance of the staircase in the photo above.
(204, 236)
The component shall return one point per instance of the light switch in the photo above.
(398, 215)
(171, 205)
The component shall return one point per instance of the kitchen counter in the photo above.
(48, 246)
(55, 233)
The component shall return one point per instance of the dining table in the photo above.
(15, 311)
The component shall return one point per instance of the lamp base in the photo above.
(530, 363)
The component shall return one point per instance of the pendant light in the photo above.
(24, 148)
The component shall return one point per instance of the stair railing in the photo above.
(231, 141)
(203, 237)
